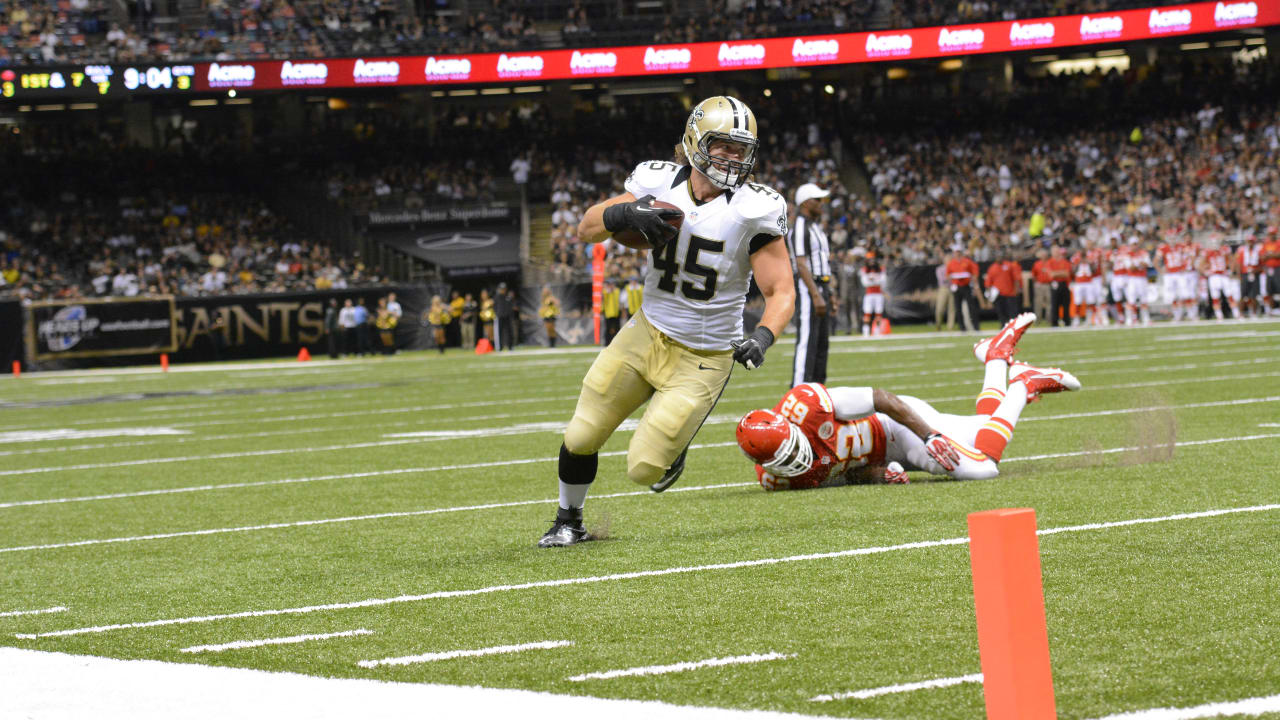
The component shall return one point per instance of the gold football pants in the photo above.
(682, 385)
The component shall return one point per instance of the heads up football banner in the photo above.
(85, 328)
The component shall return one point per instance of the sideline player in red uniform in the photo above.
(1179, 278)
(818, 436)
(1217, 263)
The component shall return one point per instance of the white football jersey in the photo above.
(695, 289)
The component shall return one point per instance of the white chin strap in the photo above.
(794, 457)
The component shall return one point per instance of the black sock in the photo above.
(569, 515)
(577, 469)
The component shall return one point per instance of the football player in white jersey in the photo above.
(678, 350)
(818, 436)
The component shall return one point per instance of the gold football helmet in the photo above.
(721, 119)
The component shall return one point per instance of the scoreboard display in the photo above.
(93, 81)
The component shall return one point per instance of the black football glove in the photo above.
(642, 217)
(750, 350)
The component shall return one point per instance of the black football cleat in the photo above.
(672, 475)
(567, 530)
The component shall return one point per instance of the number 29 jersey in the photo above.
(838, 445)
(696, 287)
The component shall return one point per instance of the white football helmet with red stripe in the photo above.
(775, 443)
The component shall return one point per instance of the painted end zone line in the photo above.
(377, 602)
(907, 687)
(1252, 707)
(683, 666)
(240, 644)
(16, 613)
(432, 657)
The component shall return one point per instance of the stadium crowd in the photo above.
(1184, 154)
(36, 32)
(65, 233)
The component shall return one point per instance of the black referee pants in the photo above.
(813, 335)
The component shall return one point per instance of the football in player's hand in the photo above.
(636, 239)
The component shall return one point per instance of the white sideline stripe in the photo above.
(59, 686)
(378, 602)
(1252, 707)
(451, 654)
(489, 506)
(906, 687)
(240, 644)
(16, 613)
(683, 666)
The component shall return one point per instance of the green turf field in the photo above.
(283, 505)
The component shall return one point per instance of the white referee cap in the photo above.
(809, 191)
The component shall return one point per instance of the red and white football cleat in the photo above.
(1004, 344)
(1043, 380)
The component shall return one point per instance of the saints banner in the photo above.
(100, 328)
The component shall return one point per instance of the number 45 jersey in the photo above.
(838, 445)
(696, 287)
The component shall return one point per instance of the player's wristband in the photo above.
(763, 335)
(615, 217)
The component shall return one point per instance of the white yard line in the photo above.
(875, 378)
(558, 426)
(441, 594)
(683, 666)
(57, 686)
(489, 506)
(451, 654)
(734, 387)
(189, 438)
(1250, 707)
(712, 421)
(906, 687)
(242, 644)
(320, 416)
(354, 518)
(62, 434)
(45, 611)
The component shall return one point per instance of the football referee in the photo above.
(812, 268)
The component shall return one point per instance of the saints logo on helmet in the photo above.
(725, 120)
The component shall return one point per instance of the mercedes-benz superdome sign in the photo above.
(461, 241)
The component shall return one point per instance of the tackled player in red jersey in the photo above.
(818, 436)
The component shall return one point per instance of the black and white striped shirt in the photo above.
(810, 242)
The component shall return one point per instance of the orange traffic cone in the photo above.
(484, 346)
(304, 355)
(164, 362)
(17, 368)
(882, 327)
